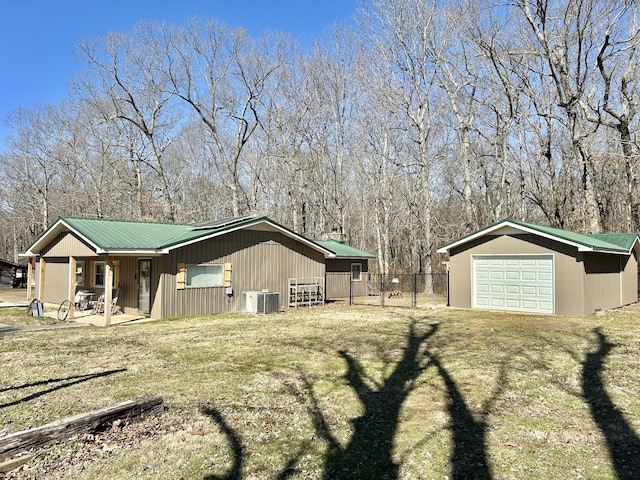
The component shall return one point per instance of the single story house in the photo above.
(522, 267)
(176, 269)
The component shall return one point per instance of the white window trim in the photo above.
(359, 270)
(114, 267)
(79, 271)
(186, 279)
(95, 273)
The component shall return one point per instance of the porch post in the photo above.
(108, 291)
(30, 263)
(41, 279)
(72, 287)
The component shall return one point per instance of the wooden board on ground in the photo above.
(15, 443)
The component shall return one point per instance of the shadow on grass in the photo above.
(67, 382)
(235, 442)
(237, 450)
(369, 453)
(622, 441)
(469, 456)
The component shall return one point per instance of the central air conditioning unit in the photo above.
(259, 302)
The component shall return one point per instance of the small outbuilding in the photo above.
(347, 270)
(522, 267)
(12, 273)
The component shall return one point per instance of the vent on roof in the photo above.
(225, 222)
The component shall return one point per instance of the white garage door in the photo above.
(521, 283)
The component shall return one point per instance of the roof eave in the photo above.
(610, 251)
(487, 231)
(50, 233)
(133, 252)
(255, 221)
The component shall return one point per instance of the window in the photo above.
(100, 272)
(79, 273)
(205, 275)
(356, 272)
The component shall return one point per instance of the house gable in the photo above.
(619, 244)
(67, 245)
(257, 259)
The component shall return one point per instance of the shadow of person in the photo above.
(622, 441)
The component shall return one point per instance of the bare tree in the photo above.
(617, 62)
(565, 36)
(127, 82)
(221, 75)
(403, 35)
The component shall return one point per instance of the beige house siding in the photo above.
(630, 279)
(603, 282)
(339, 276)
(67, 245)
(259, 261)
(56, 278)
(611, 281)
(568, 277)
(337, 285)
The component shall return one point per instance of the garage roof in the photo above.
(613, 243)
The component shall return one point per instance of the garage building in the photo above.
(522, 267)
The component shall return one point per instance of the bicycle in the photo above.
(63, 311)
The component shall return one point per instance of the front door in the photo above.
(144, 286)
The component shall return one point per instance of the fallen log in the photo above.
(14, 463)
(14, 443)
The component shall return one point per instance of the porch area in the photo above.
(86, 317)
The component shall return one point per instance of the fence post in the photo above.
(350, 289)
(448, 301)
(414, 291)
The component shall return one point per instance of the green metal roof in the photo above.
(110, 235)
(114, 234)
(624, 240)
(342, 250)
(610, 242)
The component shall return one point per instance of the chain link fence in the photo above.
(398, 290)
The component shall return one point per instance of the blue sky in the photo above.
(38, 37)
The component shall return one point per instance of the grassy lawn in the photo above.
(344, 392)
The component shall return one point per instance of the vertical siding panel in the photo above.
(569, 281)
(259, 260)
(604, 274)
(56, 280)
(630, 280)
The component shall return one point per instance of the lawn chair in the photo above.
(98, 306)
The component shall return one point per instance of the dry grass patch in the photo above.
(358, 392)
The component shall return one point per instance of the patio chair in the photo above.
(98, 306)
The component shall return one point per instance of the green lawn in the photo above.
(344, 392)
